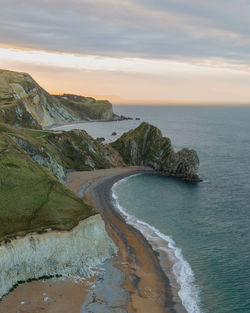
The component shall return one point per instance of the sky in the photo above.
(132, 51)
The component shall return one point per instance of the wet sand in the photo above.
(48, 296)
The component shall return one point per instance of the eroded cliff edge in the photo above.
(45, 229)
(24, 103)
(33, 200)
(74, 252)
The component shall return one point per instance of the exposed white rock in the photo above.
(36, 99)
(73, 252)
(108, 114)
(19, 91)
(19, 112)
(51, 164)
(89, 162)
(42, 157)
(43, 107)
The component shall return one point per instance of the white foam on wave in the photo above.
(184, 276)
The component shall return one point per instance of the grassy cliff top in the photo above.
(87, 107)
(31, 198)
(6, 93)
(144, 143)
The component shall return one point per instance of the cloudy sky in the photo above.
(131, 51)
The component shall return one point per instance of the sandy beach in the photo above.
(145, 281)
(47, 296)
(134, 281)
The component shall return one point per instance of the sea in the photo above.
(201, 230)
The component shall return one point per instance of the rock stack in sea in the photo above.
(146, 146)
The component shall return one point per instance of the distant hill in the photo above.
(86, 107)
(24, 103)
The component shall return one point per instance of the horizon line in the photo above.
(114, 100)
(181, 103)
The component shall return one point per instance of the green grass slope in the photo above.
(31, 198)
(143, 145)
(61, 151)
(87, 108)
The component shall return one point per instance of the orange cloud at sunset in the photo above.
(133, 80)
(131, 51)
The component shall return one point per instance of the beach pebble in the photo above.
(24, 302)
(48, 299)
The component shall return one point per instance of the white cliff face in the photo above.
(40, 109)
(44, 108)
(73, 252)
(108, 114)
(42, 157)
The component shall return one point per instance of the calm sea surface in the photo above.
(206, 226)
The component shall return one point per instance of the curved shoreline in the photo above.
(54, 126)
(134, 282)
(145, 280)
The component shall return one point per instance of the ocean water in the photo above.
(204, 228)
(207, 225)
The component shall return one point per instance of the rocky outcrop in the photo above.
(145, 145)
(61, 151)
(39, 215)
(183, 163)
(79, 151)
(74, 252)
(27, 97)
(17, 115)
(39, 154)
(24, 103)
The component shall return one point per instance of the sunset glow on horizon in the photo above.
(171, 55)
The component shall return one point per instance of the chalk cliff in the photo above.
(74, 252)
(36, 210)
(24, 103)
(38, 214)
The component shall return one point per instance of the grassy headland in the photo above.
(31, 198)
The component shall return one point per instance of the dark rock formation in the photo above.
(100, 139)
(145, 145)
(124, 118)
